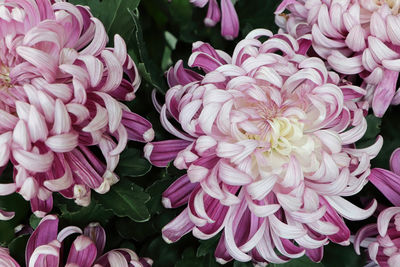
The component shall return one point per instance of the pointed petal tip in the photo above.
(148, 136)
(166, 203)
(221, 261)
(168, 241)
(39, 214)
(148, 149)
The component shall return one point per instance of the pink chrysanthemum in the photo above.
(267, 144)
(383, 249)
(45, 247)
(60, 89)
(229, 18)
(356, 37)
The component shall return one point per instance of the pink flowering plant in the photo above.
(199, 133)
(44, 247)
(61, 88)
(265, 142)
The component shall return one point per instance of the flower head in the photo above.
(356, 37)
(267, 141)
(45, 247)
(60, 88)
(382, 239)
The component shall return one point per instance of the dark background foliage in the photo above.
(158, 33)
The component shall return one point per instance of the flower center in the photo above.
(284, 134)
(280, 138)
(394, 5)
(5, 80)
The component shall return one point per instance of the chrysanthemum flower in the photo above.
(229, 18)
(382, 239)
(266, 141)
(356, 37)
(6, 259)
(45, 248)
(388, 182)
(60, 88)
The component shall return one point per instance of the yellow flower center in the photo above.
(394, 5)
(5, 80)
(286, 138)
(284, 134)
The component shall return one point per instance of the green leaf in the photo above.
(128, 229)
(145, 74)
(374, 126)
(166, 178)
(17, 247)
(7, 232)
(182, 10)
(254, 16)
(114, 15)
(17, 204)
(189, 258)
(161, 253)
(390, 129)
(208, 246)
(243, 264)
(34, 221)
(132, 163)
(336, 255)
(373, 129)
(155, 191)
(126, 199)
(300, 262)
(156, 11)
(82, 216)
(171, 40)
(148, 69)
(128, 245)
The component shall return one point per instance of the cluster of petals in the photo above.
(266, 137)
(45, 248)
(355, 37)
(382, 239)
(226, 14)
(62, 125)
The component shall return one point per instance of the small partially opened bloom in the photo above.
(226, 14)
(45, 247)
(62, 125)
(356, 37)
(6, 260)
(266, 137)
(382, 239)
